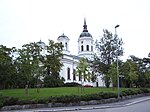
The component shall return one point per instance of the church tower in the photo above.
(42, 45)
(64, 40)
(85, 43)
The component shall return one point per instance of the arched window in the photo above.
(87, 47)
(74, 74)
(82, 48)
(91, 48)
(68, 73)
(66, 45)
(79, 77)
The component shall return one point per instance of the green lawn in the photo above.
(46, 92)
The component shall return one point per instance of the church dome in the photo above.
(63, 37)
(85, 32)
(41, 43)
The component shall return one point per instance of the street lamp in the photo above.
(117, 61)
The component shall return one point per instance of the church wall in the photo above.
(72, 64)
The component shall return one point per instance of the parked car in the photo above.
(88, 86)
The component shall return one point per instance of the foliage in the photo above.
(65, 99)
(53, 65)
(6, 100)
(50, 81)
(26, 67)
(28, 64)
(83, 70)
(112, 73)
(140, 71)
(134, 91)
(99, 94)
(72, 98)
(130, 73)
(7, 67)
(72, 84)
(107, 48)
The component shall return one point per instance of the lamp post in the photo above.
(117, 62)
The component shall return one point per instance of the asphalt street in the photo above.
(138, 107)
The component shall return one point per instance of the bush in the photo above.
(144, 90)
(98, 96)
(108, 95)
(134, 92)
(24, 102)
(138, 91)
(72, 84)
(42, 101)
(65, 99)
(88, 97)
(6, 100)
(129, 92)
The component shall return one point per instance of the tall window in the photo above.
(68, 73)
(79, 77)
(82, 48)
(87, 47)
(74, 74)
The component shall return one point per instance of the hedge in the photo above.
(6, 100)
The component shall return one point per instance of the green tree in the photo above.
(52, 64)
(107, 49)
(28, 64)
(141, 77)
(146, 70)
(130, 72)
(112, 74)
(7, 68)
(83, 71)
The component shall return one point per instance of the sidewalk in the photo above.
(88, 107)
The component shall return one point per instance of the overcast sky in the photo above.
(24, 21)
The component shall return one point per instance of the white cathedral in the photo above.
(69, 61)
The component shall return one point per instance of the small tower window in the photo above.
(91, 48)
(68, 73)
(87, 47)
(82, 48)
(81, 42)
(66, 45)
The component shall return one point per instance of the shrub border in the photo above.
(12, 103)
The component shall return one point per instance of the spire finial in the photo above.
(85, 26)
(84, 21)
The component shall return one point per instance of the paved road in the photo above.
(141, 104)
(139, 107)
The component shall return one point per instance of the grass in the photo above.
(46, 92)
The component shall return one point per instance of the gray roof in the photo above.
(73, 56)
(40, 42)
(85, 34)
(63, 36)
